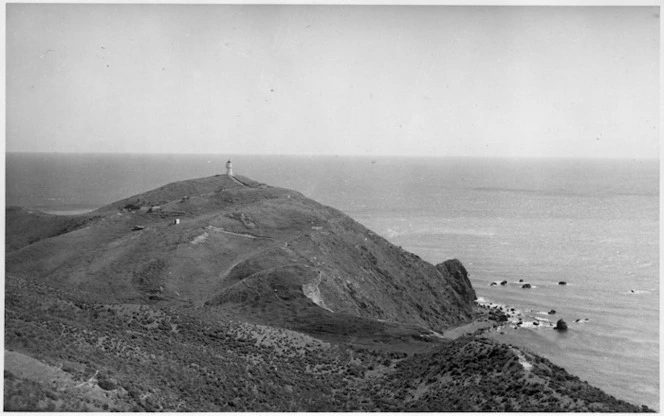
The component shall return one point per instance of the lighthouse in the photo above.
(229, 168)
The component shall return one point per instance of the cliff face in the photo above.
(240, 245)
(459, 278)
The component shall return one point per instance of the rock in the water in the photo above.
(503, 283)
(561, 325)
(536, 323)
(526, 286)
(552, 312)
(562, 283)
(520, 280)
(493, 284)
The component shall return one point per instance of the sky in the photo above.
(333, 80)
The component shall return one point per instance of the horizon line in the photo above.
(368, 156)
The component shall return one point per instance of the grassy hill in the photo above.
(238, 245)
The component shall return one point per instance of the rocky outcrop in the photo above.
(460, 280)
(498, 315)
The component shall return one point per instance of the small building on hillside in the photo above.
(229, 168)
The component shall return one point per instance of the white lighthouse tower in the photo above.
(229, 168)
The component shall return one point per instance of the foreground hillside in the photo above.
(222, 293)
(65, 354)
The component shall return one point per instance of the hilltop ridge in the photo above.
(246, 246)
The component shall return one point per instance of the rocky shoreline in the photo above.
(506, 316)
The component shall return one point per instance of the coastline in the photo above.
(526, 334)
(516, 329)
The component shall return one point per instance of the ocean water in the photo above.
(591, 223)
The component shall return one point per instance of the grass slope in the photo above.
(66, 354)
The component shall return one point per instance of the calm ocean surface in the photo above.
(591, 223)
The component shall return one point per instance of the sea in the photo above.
(592, 223)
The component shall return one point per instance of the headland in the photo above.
(225, 294)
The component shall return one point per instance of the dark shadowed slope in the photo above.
(25, 226)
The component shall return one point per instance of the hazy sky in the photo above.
(376, 80)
